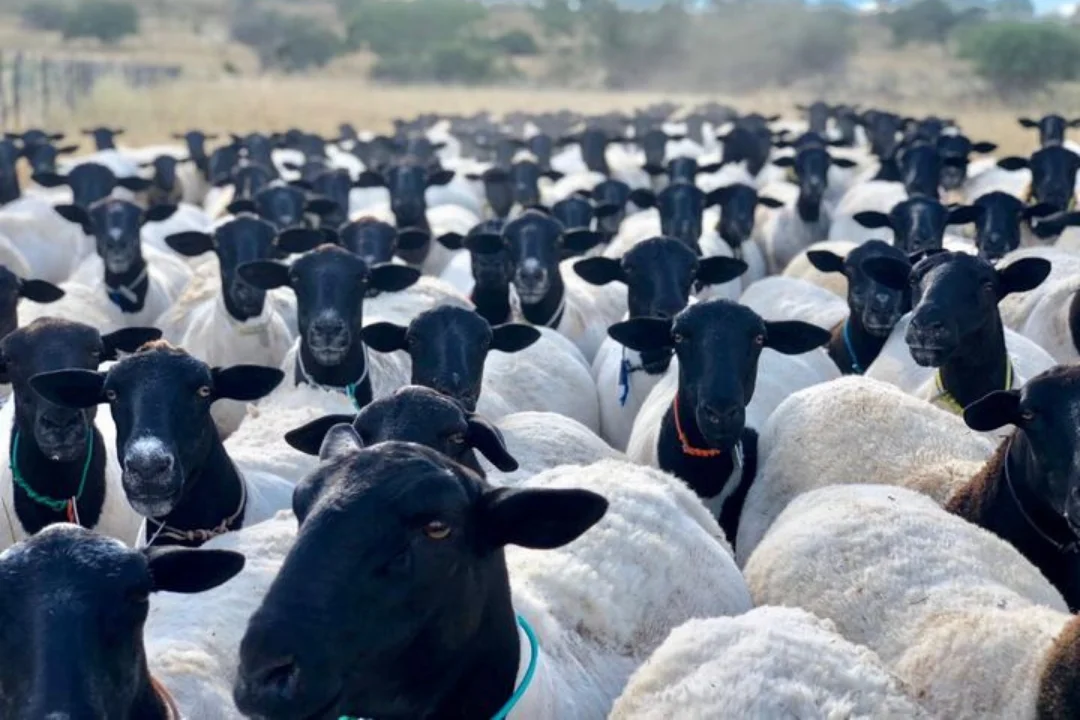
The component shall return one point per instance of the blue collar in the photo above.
(530, 671)
(851, 350)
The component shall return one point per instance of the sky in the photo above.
(1041, 6)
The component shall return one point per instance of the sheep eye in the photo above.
(204, 391)
(1027, 415)
(437, 530)
(456, 439)
(759, 340)
(110, 395)
(678, 338)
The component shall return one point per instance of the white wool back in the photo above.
(51, 246)
(955, 612)
(1042, 314)
(541, 441)
(785, 235)
(771, 662)
(617, 419)
(801, 268)
(220, 340)
(79, 304)
(850, 431)
(784, 298)
(401, 307)
(443, 219)
(12, 259)
(873, 195)
(117, 519)
(193, 641)
(548, 376)
(995, 179)
(187, 218)
(602, 604)
(589, 310)
(778, 376)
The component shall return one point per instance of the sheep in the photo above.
(239, 323)
(486, 274)
(872, 196)
(58, 465)
(450, 351)
(512, 450)
(94, 591)
(786, 233)
(802, 269)
(659, 275)
(956, 328)
(727, 386)
(917, 223)
(954, 612)
(41, 242)
(589, 648)
(134, 285)
(1000, 222)
(1048, 315)
(166, 187)
(769, 662)
(679, 210)
(97, 177)
(551, 294)
(175, 471)
(871, 430)
(738, 205)
(1051, 128)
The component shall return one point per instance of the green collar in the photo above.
(54, 504)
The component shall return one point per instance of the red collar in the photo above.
(687, 448)
(172, 712)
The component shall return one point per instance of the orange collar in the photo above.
(687, 448)
(172, 712)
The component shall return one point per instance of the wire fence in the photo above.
(34, 86)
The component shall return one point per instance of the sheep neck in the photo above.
(855, 352)
(128, 289)
(493, 303)
(351, 376)
(550, 310)
(979, 366)
(416, 256)
(1074, 320)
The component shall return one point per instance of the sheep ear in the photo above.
(642, 334)
(320, 206)
(370, 179)
(191, 570)
(794, 337)
(873, 219)
(825, 261)
(309, 438)
(784, 162)
(1013, 163)
(77, 215)
(451, 241)
(1027, 123)
(996, 410)
(70, 388)
(190, 243)
(265, 274)
(237, 207)
(718, 270)
(340, 441)
(984, 147)
(513, 337)
(963, 215)
(385, 337)
(537, 518)
(49, 179)
(580, 241)
(299, 240)
(604, 210)
(440, 177)
(134, 184)
(891, 272)
(844, 163)
(1037, 211)
(389, 277)
(159, 213)
(40, 291)
(127, 340)
(770, 202)
(484, 243)
(245, 382)
(600, 270)
(486, 440)
(1023, 275)
(643, 198)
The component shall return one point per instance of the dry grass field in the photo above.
(918, 80)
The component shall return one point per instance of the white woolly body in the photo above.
(117, 519)
(589, 310)
(784, 298)
(51, 246)
(771, 662)
(850, 431)
(778, 376)
(785, 235)
(443, 219)
(1042, 314)
(617, 418)
(955, 612)
(540, 441)
(873, 195)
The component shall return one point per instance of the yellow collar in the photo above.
(945, 399)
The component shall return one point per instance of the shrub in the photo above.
(926, 21)
(287, 43)
(1021, 58)
(106, 20)
(517, 42)
(392, 27)
(48, 15)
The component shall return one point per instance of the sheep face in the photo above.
(76, 603)
(372, 240)
(541, 146)
(749, 143)
(738, 206)
(654, 145)
(882, 129)
(1044, 450)
(877, 306)
(847, 121)
(448, 346)
(574, 212)
(613, 195)
(534, 240)
(43, 157)
(104, 138)
(249, 179)
(718, 344)
(12, 289)
(956, 297)
(47, 345)
(115, 225)
(333, 185)
(918, 223)
(811, 166)
(955, 151)
(222, 163)
(681, 206)
(998, 220)
(525, 178)
(498, 190)
(418, 415)
(1051, 128)
(417, 545)
(90, 182)
(196, 140)
(1053, 174)
(594, 142)
(330, 284)
(165, 172)
(160, 400)
(282, 206)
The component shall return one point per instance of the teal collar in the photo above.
(526, 680)
(851, 350)
(349, 390)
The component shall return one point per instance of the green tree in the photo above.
(106, 20)
(49, 15)
(1020, 58)
(926, 21)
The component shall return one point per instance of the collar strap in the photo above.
(1061, 547)
(687, 448)
(172, 712)
(556, 317)
(349, 389)
(54, 504)
(944, 397)
(859, 370)
(526, 680)
(200, 535)
(625, 370)
(126, 291)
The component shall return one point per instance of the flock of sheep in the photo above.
(683, 413)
